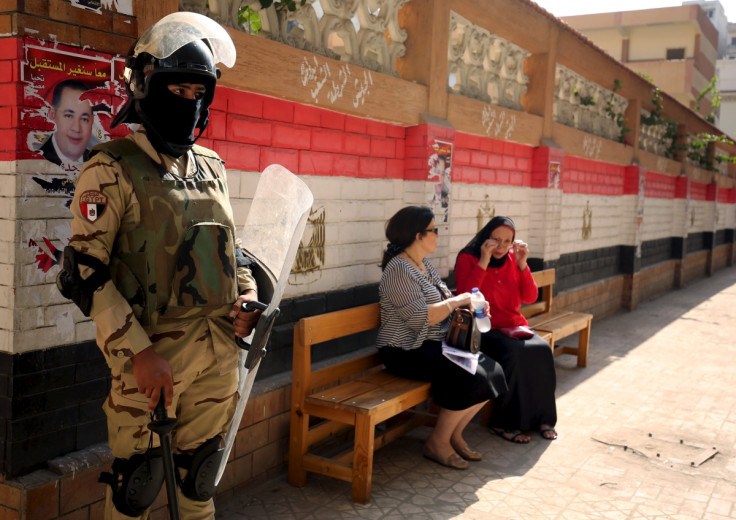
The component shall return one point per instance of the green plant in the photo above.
(698, 150)
(617, 117)
(585, 101)
(655, 118)
(715, 101)
(250, 19)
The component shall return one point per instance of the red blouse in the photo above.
(505, 287)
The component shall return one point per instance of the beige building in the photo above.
(726, 72)
(677, 47)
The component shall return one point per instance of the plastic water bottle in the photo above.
(478, 302)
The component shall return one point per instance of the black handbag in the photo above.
(463, 334)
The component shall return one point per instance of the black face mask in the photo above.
(170, 120)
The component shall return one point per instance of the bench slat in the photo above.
(539, 320)
(342, 370)
(327, 466)
(533, 309)
(338, 324)
(545, 277)
(337, 394)
(386, 395)
(569, 324)
(365, 397)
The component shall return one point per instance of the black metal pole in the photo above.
(162, 425)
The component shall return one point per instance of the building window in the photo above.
(676, 54)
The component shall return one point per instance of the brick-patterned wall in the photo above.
(722, 257)
(50, 402)
(658, 219)
(694, 267)
(655, 280)
(60, 21)
(601, 298)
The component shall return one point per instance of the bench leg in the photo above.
(297, 449)
(583, 342)
(363, 458)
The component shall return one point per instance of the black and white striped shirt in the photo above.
(405, 293)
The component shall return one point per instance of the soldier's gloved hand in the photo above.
(244, 322)
(152, 372)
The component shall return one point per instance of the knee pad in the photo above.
(201, 466)
(135, 482)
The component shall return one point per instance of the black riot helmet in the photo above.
(180, 48)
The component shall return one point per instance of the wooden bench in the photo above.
(554, 325)
(355, 394)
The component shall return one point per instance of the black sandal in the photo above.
(546, 430)
(513, 433)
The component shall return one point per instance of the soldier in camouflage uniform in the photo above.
(153, 261)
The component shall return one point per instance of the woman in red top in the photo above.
(494, 262)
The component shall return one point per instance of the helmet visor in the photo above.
(175, 30)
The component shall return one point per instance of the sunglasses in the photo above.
(434, 230)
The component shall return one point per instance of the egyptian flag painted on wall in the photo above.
(92, 203)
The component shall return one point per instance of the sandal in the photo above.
(509, 435)
(544, 431)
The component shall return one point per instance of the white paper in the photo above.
(462, 358)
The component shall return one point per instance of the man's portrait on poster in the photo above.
(73, 120)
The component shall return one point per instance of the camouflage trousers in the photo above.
(204, 401)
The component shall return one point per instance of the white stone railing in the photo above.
(652, 137)
(484, 66)
(582, 104)
(361, 32)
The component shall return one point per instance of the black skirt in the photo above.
(453, 388)
(529, 367)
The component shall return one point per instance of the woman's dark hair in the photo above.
(473, 247)
(402, 229)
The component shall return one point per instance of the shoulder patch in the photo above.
(92, 203)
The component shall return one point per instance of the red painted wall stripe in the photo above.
(660, 186)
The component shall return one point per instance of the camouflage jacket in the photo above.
(165, 228)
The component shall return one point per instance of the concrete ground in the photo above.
(647, 431)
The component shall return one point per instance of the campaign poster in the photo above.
(439, 173)
(69, 99)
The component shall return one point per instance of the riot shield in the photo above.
(270, 236)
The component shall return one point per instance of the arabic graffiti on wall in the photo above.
(320, 80)
(592, 147)
(497, 124)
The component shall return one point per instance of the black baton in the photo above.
(162, 425)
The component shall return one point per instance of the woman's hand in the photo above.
(243, 321)
(486, 250)
(461, 300)
(521, 253)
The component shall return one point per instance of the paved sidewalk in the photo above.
(660, 380)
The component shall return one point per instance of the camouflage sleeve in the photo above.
(246, 280)
(104, 202)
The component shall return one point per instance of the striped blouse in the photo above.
(405, 293)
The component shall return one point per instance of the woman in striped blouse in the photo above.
(415, 310)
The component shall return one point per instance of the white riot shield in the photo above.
(271, 237)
